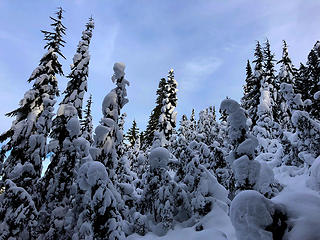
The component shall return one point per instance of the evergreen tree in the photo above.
(153, 123)
(252, 98)
(314, 80)
(133, 133)
(193, 119)
(98, 202)
(18, 213)
(28, 134)
(305, 142)
(300, 85)
(167, 119)
(247, 88)
(86, 122)
(248, 172)
(77, 85)
(286, 74)
(270, 80)
(157, 200)
(108, 135)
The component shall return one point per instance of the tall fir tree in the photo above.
(270, 79)
(300, 86)
(247, 88)
(167, 119)
(153, 123)
(86, 122)
(28, 135)
(133, 133)
(253, 85)
(314, 80)
(287, 74)
(108, 135)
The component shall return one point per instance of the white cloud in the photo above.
(196, 72)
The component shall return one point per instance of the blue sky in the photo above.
(206, 42)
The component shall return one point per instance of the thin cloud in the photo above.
(196, 72)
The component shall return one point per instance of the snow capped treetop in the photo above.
(237, 119)
(159, 158)
(90, 174)
(118, 78)
(293, 100)
(118, 69)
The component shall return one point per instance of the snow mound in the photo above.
(90, 174)
(314, 180)
(250, 214)
(159, 158)
(303, 212)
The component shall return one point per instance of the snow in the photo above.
(216, 226)
(246, 169)
(314, 180)
(236, 118)
(159, 158)
(303, 211)
(90, 174)
(118, 69)
(250, 214)
(73, 127)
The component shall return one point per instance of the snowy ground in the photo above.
(217, 224)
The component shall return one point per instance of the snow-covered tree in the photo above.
(133, 133)
(107, 134)
(251, 99)
(167, 119)
(247, 88)
(313, 80)
(248, 172)
(98, 200)
(157, 200)
(305, 141)
(77, 86)
(153, 123)
(18, 213)
(28, 134)
(287, 74)
(86, 122)
(270, 80)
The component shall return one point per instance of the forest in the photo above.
(253, 164)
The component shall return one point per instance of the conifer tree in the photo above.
(28, 134)
(252, 98)
(314, 80)
(98, 202)
(247, 88)
(153, 123)
(107, 134)
(300, 85)
(86, 122)
(18, 213)
(270, 79)
(286, 74)
(133, 133)
(167, 119)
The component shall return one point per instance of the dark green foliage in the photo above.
(153, 123)
(251, 99)
(133, 133)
